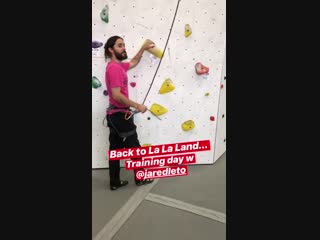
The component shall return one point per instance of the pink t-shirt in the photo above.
(116, 76)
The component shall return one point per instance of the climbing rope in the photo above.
(175, 14)
(165, 47)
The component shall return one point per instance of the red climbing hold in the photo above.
(133, 84)
(212, 118)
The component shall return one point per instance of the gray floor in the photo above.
(204, 187)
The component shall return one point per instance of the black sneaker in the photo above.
(120, 184)
(144, 182)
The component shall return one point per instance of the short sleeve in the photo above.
(126, 66)
(114, 76)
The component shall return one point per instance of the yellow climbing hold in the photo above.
(158, 110)
(188, 125)
(187, 30)
(155, 50)
(146, 145)
(167, 86)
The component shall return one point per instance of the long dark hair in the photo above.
(109, 44)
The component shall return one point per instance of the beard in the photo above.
(121, 56)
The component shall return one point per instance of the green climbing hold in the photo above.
(207, 94)
(105, 14)
(95, 82)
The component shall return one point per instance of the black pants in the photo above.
(119, 127)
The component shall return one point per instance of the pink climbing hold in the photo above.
(133, 84)
(201, 69)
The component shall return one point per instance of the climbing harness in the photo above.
(130, 113)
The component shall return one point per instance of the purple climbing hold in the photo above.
(105, 92)
(96, 44)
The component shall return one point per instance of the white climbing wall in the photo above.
(138, 20)
(221, 137)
